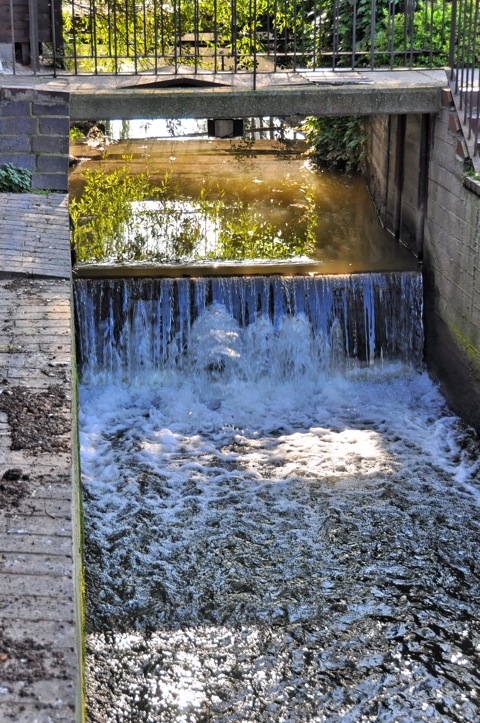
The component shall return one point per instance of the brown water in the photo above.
(263, 191)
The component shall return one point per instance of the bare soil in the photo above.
(39, 421)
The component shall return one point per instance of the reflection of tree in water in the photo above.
(124, 217)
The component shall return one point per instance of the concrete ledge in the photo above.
(321, 92)
(40, 592)
(472, 184)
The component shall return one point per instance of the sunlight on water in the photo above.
(232, 200)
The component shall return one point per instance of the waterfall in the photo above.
(126, 327)
(271, 532)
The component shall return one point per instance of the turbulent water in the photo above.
(270, 536)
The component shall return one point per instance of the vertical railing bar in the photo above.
(468, 28)
(314, 53)
(294, 64)
(467, 75)
(109, 31)
(254, 44)
(180, 26)
(145, 30)
(12, 36)
(33, 33)
(320, 30)
(155, 35)
(74, 39)
(54, 38)
(454, 40)
(392, 36)
(215, 35)
(335, 33)
(95, 55)
(354, 33)
(196, 37)
(127, 30)
(431, 33)
(275, 37)
(412, 31)
(162, 29)
(286, 40)
(234, 34)
(135, 38)
(472, 83)
(175, 38)
(372, 33)
(462, 74)
(115, 36)
(303, 32)
(268, 29)
(442, 27)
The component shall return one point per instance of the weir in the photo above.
(130, 326)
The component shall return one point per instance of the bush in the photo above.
(14, 180)
(336, 143)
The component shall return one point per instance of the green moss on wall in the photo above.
(466, 345)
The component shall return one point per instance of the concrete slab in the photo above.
(40, 660)
(319, 92)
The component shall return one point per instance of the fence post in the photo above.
(33, 27)
(453, 32)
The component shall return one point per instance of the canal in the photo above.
(281, 513)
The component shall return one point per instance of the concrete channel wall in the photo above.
(416, 170)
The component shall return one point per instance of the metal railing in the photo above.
(248, 36)
(464, 62)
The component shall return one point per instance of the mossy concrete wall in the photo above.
(416, 167)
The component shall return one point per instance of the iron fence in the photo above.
(249, 36)
(464, 63)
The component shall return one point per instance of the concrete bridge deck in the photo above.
(227, 95)
(39, 654)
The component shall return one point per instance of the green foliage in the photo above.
(336, 143)
(108, 225)
(425, 36)
(76, 134)
(472, 173)
(14, 179)
(104, 210)
(245, 234)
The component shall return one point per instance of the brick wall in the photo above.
(34, 134)
(416, 170)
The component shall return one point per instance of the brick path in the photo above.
(38, 651)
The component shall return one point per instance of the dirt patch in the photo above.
(39, 422)
(25, 660)
(21, 660)
(13, 488)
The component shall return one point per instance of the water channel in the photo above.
(281, 514)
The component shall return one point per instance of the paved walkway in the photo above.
(38, 651)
